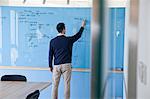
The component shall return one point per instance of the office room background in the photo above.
(27, 27)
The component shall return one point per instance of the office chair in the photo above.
(13, 78)
(34, 95)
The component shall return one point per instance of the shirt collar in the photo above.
(60, 34)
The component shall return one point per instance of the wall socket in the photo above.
(142, 72)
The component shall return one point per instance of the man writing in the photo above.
(61, 49)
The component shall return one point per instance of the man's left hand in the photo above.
(51, 69)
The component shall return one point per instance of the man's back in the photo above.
(62, 47)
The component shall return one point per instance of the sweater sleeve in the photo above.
(51, 53)
(77, 35)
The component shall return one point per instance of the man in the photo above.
(61, 49)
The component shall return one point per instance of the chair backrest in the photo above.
(34, 95)
(13, 78)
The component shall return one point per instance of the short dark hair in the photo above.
(60, 27)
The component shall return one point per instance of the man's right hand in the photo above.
(83, 23)
(51, 69)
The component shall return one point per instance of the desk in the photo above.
(20, 90)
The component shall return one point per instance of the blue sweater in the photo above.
(61, 48)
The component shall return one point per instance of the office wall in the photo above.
(4, 2)
(48, 3)
(116, 30)
(143, 66)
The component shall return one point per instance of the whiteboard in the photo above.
(27, 31)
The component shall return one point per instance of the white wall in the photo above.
(117, 3)
(49, 3)
(126, 39)
(3, 2)
(143, 69)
